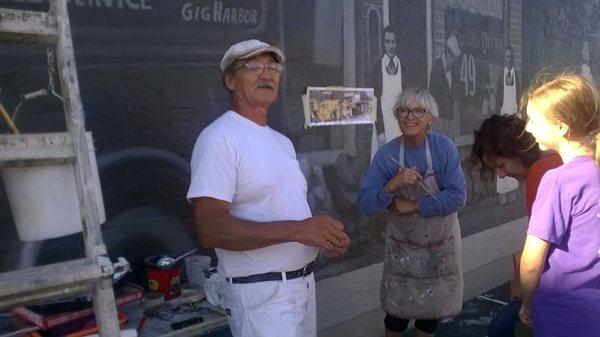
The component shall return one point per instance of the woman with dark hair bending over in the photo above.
(417, 177)
(502, 147)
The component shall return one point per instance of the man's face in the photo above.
(253, 87)
(389, 42)
(508, 58)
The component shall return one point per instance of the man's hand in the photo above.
(323, 232)
(335, 252)
(405, 177)
(526, 315)
(403, 206)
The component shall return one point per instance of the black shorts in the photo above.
(395, 324)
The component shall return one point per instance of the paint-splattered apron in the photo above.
(422, 271)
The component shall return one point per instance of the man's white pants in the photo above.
(273, 308)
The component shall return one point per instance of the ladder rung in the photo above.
(55, 155)
(36, 149)
(27, 26)
(33, 284)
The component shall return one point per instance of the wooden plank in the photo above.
(48, 294)
(50, 281)
(27, 26)
(51, 275)
(105, 308)
(36, 149)
(34, 139)
(56, 155)
(76, 127)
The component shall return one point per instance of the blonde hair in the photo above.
(572, 100)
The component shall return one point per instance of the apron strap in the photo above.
(401, 158)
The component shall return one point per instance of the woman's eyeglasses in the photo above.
(416, 112)
(257, 67)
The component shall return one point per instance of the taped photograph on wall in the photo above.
(338, 106)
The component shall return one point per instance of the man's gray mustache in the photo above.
(267, 85)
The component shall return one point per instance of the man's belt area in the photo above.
(274, 276)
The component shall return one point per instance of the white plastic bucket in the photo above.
(43, 199)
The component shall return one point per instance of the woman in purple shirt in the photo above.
(560, 265)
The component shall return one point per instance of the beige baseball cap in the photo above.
(246, 49)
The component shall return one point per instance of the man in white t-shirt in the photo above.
(250, 205)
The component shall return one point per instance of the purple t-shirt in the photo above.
(566, 213)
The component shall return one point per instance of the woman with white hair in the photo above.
(418, 179)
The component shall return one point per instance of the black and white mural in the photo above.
(150, 82)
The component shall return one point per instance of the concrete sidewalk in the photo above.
(472, 321)
(476, 314)
(348, 303)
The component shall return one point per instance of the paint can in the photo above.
(163, 279)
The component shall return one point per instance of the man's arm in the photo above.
(533, 261)
(216, 228)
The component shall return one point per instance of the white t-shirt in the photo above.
(255, 169)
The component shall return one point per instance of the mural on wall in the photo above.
(484, 79)
(398, 65)
(388, 81)
(562, 35)
(150, 82)
(444, 86)
(463, 79)
(590, 47)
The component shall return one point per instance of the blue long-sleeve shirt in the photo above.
(446, 168)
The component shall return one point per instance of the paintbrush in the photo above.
(419, 182)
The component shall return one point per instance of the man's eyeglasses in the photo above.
(416, 112)
(257, 67)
